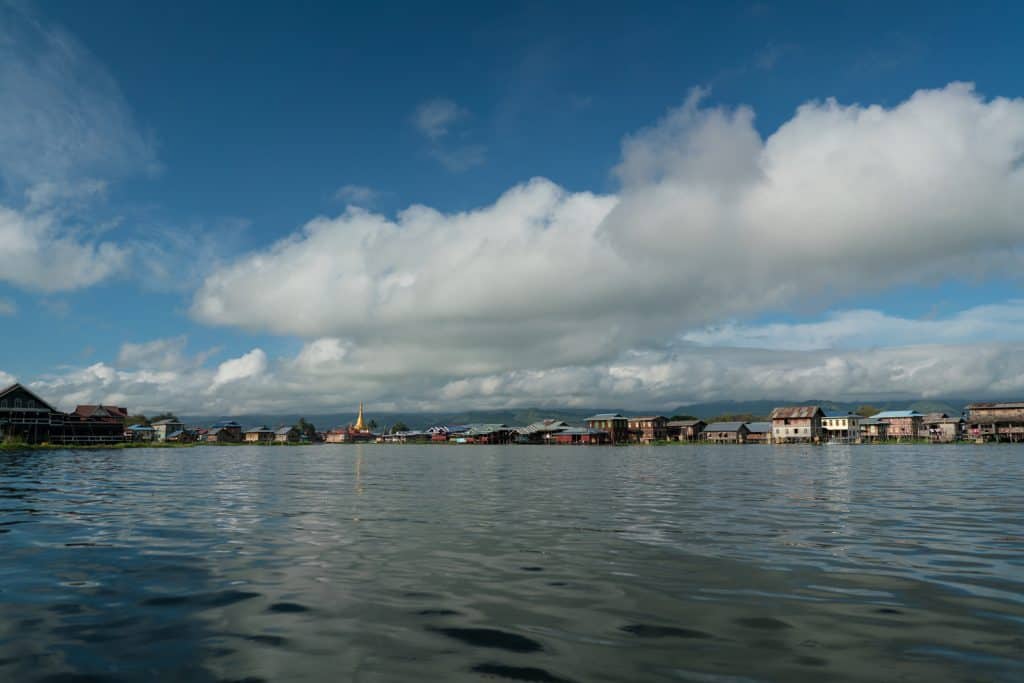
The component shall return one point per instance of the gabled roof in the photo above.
(724, 426)
(544, 426)
(484, 429)
(260, 430)
(685, 423)
(648, 417)
(759, 427)
(284, 431)
(605, 416)
(838, 413)
(11, 389)
(797, 412)
(896, 413)
(100, 411)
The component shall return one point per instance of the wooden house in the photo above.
(873, 430)
(615, 425)
(685, 430)
(996, 421)
(648, 429)
(540, 432)
(941, 428)
(225, 431)
(26, 417)
(903, 424)
(287, 435)
(840, 426)
(726, 432)
(758, 432)
(259, 435)
(797, 424)
(580, 436)
(163, 428)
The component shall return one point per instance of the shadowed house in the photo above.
(225, 431)
(486, 433)
(181, 436)
(685, 430)
(759, 432)
(648, 428)
(903, 424)
(941, 428)
(797, 424)
(101, 413)
(139, 432)
(286, 435)
(26, 417)
(262, 434)
(580, 436)
(996, 421)
(446, 432)
(873, 430)
(540, 432)
(163, 428)
(726, 432)
(839, 426)
(615, 425)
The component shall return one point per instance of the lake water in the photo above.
(419, 563)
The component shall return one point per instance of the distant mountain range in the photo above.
(575, 416)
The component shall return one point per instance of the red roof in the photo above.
(101, 412)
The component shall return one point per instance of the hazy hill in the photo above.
(524, 416)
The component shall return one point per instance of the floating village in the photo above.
(25, 418)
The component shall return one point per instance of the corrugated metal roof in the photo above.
(759, 427)
(795, 412)
(724, 426)
(896, 413)
(684, 423)
(605, 416)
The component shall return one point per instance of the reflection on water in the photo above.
(384, 563)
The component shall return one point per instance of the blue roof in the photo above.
(140, 428)
(177, 433)
(896, 413)
(226, 423)
(839, 413)
(759, 427)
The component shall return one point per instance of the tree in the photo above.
(867, 410)
(306, 429)
(680, 418)
(399, 427)
(136, 420)
(164, 416)
(372, 426)
(737, 417)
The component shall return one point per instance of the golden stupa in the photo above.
(360, 426)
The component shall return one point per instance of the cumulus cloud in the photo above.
(6, 380)
(712, 223)
(324, 377)
(251, 365)
(37, 253)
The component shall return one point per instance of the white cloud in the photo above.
(7, 306)
(38, 254)
(868, 328)
(248, 366)
(356, 194)
(6, 380)
(323, 377)
(64, 129)
(712, 224)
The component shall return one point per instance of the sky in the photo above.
(228, 208)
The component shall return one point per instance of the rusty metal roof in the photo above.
(978, 406)
(790, 412)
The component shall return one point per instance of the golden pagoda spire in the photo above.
(359, 426)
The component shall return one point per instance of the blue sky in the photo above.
(175, 145)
